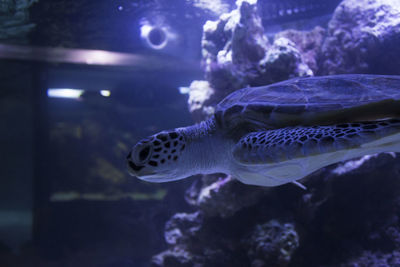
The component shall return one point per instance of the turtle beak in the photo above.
(136, 170)
(132, 167)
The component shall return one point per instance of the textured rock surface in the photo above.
(308, 44)
(272, 244)
(201, 98)
(348, 215)
(236, 53)
(232, 47)
(375, 259)
(363, 36)
(182, 227)
(281, 62)
(180, 231)
(223, 197)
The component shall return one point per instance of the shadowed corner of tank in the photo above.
(15, 229)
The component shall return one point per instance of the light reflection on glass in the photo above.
(64, 93)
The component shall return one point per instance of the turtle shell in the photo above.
(309, 101)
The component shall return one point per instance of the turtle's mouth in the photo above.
(134, 167)
(134, 170)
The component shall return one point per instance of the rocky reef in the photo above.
(348, 216)
(237, 53)
(363, 37)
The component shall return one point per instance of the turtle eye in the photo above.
(143, 153)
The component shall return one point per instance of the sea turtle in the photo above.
(279, 133)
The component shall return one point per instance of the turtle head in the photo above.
(158, 158)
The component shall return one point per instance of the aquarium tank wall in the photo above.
(82, 81)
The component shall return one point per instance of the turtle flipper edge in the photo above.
(293, 152)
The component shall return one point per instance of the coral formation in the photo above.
(362, 37)
(282, 61)
(223, 197)
(308, 43)
(200, 99)
(233, 46)
(237, 53)
(374, 259)
(354, 212)
(272, 244)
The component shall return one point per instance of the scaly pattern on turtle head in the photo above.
(154, 155)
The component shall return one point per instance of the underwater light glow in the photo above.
(105, 93)
(64, 93)
(100, 58)
(155, 36)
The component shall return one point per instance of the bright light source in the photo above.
(105, 93)
(144, 30)
(156, 37)
(64, 93)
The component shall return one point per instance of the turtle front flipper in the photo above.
(307, 149)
